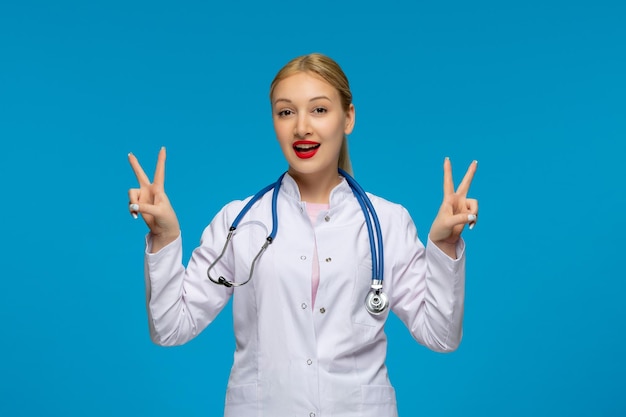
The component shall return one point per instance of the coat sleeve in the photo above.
(181, 301)
(428, 288)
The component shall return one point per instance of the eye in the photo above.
(320, 110)
(284, 113)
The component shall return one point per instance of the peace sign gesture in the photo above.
(456, 210)
(151, 201)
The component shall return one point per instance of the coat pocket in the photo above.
(237, 395)
(378, 400)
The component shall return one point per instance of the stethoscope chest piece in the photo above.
(376, 302)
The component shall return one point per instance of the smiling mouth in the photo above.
(305, 149)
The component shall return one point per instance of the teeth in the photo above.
(306, 147)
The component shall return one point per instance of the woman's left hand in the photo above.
(455, 212)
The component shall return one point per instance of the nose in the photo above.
(302, 127)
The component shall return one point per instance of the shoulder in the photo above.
(385, 207)
(397, 225)
(235, 205)
(228, 213)
(392, 216)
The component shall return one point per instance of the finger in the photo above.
(159, 173)
(134, 210)
(148, 209)
(472, 206)
(142, 178)
(464, 218)
(467, 179)
(473, 218)
(448, 183)
(144, 208)
(133, 199)
(133, 195)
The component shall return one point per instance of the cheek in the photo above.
(282, 134)
(339, 128)
(278, 129)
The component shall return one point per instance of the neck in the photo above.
(316, 188)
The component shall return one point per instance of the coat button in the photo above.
(329, 259)
(303, 306)
(311, 414)
(322, 310)
(309, 361)
(327, 218)
(303, 257)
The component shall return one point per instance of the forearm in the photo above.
(181, 301)
(429, 297)
(164, 275)
(444, 298)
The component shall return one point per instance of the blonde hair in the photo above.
(330, 72)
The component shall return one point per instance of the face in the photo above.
(310, 123)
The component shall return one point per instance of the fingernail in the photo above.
(134, 207)
(475, 161)
(447, 158)
(135, 216)
(471, 218)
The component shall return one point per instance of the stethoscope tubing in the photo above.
(363, 199)
(231, 231)
(256, 198)
(376, 301)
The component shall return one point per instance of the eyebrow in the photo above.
(312, 99)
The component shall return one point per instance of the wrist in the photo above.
(447, 247)
(160, 240)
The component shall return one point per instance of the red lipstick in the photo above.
(305, 149)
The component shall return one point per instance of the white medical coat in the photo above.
(292, 359)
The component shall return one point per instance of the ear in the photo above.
(350, 119)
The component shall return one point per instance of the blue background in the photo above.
(534, 90)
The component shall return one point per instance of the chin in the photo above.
(299, 168)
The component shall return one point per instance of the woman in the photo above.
(305, 343)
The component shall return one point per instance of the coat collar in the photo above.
(338, 194)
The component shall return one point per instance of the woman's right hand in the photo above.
(152, 203)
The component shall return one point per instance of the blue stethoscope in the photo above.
(376, 301)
